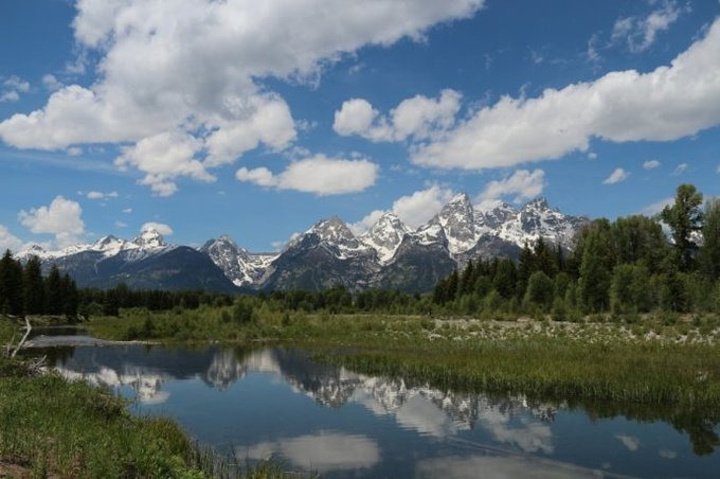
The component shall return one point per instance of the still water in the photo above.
(280, 403)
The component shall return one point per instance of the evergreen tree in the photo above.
(684, 218)
(11, 292)
(505, 280)
(54, 293)
(33, 287)
(452, 286)
(709, 254)
(466, 280)
(70, 296)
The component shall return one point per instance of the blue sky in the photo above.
(258, 119)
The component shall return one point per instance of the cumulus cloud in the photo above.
(639, 33)
(99, 195)
(651, 164)
(668, 103)
(523, 184)
(197, 67)
(163, 158)
(62, 218)
(8, 240)
(161, 228)
(414, 210)
(319, 174)
(419, 117)
(616, 177)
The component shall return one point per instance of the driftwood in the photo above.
(28, 328)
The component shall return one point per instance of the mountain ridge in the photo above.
(389, 254)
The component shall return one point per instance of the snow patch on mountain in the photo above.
(385, 236)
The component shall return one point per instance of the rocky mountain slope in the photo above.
(387, 255)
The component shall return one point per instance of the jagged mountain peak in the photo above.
(539, 203)
(333, 230)
(385, 236)
(457, 218)
(150, 238)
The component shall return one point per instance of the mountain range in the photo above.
(388, 255)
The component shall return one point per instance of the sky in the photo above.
(258, 119)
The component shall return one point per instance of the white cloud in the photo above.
(668, 103)
(127, 211)
(12, 88)
(17, 83)
(657, 207)
(523, 184)
(62, 218)
(630, 442)
(8, 240)
(641, 32)
(51, 83)
(197, 67)
(419, 117)
(318, 174)
(651, 164)
(120, 224)
(592, 156)
(161, 228)
(680, 169)
(323, 451)
(414, 210)
(616, 177)
(163, 158)
(99, 195)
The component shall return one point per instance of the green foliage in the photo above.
(684, 218)
(629, 291)
(709, 255)
(540, 291)
(596, 267)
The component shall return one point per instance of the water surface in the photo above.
(281, 403)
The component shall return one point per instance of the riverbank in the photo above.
(651, 360)
(52, 427)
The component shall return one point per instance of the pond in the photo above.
(280, 403)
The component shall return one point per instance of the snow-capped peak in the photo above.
(385, 236)
(458, 220)
(239, 266)
(150, 239)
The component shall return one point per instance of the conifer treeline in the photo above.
(24, 290)
(624, 266)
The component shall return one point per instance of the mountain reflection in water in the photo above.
(254, 403)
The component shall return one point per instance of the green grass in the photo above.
(52, 427)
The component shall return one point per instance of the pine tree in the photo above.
(54, 292)
(505, 278)
(11, 287)
(466, 280)
(33, 287)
